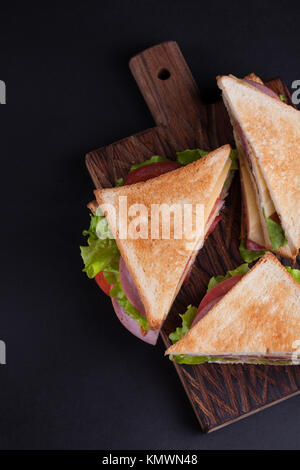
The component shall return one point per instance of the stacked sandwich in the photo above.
(250, 315)
(144, 275)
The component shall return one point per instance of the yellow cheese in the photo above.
(255, 230)
(266, 200)
(217, 190)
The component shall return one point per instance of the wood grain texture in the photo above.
(219, 394)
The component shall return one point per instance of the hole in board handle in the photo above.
(163, 74)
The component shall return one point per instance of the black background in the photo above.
(74, 378)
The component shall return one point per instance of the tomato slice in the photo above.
(152, 170)
(102, 282)
(214, 295)
(204, 310)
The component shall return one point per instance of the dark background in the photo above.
(74, 378)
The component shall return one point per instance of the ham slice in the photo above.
(129, 288)
(250, 245)
(263, 88)
(132, 325)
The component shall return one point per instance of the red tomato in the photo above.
(214, 295)
(152, 170)
(102, 282)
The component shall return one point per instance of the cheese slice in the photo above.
(255, 231)
(217, 191)
(266, 200)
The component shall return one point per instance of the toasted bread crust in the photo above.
(259, 315)
(254, 78)
(93, 206)
(156, 266)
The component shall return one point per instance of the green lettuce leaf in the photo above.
(102, 254)
(153, 159)
(189, 156)
(120, 182)
(276, 233)
(214, 281)
(91, 232)
(234, 160)
(282, 97)
(132, 312)
(113, 277)
(190, 360)
(249, 255)
(187, 320)
(294, 272)
(185, 359)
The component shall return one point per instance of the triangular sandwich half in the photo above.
(267, 134)
(256, 321)
(158, 266)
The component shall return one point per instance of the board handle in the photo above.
(168, 86)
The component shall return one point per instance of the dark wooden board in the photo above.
(219, 394)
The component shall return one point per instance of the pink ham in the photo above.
(129, 288)
(262, 88)
(250, 245)
(132, 325)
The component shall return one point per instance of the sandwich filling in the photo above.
(102, 258)
(218, 287)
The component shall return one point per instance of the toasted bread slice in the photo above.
(272, 131)
(158, 266)
(259, 316)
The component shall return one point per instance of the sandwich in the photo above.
(248, 316)
(143, 273)
(267, 136)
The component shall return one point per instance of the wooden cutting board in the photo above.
(219, 394)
